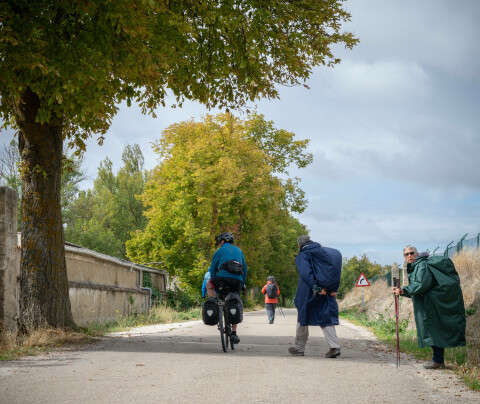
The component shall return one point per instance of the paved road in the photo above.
(184, 362)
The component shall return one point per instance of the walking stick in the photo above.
(280, 310)
(397, 300)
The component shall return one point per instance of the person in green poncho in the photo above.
(434, 287)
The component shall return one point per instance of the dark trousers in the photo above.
(270, 310)
(438, 354)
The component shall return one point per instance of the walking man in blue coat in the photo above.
(319, 270)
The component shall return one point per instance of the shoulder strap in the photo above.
(313, 268)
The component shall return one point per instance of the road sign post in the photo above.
(361, 283)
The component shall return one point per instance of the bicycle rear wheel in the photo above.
(232, 345)
(223, 335)
(228, 331)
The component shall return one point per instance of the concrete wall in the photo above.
(97, 305)
(83, 266)
(9, 271)
(104, 288)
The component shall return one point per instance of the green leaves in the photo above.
(218, 175)
(82, 59)
(104, 219)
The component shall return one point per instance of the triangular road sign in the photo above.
(362, 281)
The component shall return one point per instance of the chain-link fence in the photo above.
(451, 249)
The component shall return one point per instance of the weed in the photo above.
(471, 310)
(39, 341)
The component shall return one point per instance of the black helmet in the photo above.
(227, 236)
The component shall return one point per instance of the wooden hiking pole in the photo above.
(397, 301)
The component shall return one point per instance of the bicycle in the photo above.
(224, 325)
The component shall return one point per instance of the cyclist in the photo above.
(228, 267)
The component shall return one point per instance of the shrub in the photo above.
(180, 300)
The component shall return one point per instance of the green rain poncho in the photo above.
(434, 287)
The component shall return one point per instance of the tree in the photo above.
(281, 262)
(9, 175)
(72, 175)
(217, 176)
(103, 219)
(9, 162)
(65, 66)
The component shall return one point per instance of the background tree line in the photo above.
(220, 174)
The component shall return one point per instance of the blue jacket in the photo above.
(225, 253)
(206, 278)
(320, 266)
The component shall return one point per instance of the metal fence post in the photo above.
(460, 243)
(445, 254)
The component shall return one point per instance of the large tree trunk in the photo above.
(44, 298)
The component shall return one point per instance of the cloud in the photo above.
(428, 151)
(433, 33)
(379, 81)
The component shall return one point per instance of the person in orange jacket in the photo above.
(271, 297)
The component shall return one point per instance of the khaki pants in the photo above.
(302, 337)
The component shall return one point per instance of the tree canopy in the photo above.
(217, 175)
(82, 58)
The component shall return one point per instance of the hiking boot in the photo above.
(333, 353)
(270, 321)
(293, 351)
(434, 365)
(234, 338)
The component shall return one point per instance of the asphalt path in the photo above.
(184, 362)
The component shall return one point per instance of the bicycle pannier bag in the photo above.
(210, 312)
(272, 290)
(232, 266)
(234, 308)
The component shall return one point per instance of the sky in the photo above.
(394, 131)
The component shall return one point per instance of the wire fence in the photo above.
(472, 242)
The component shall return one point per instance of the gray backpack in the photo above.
(272, 290)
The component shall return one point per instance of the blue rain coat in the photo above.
(320, 266)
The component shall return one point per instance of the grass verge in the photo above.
(39, 341)
(385, 330)
(159, 314)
